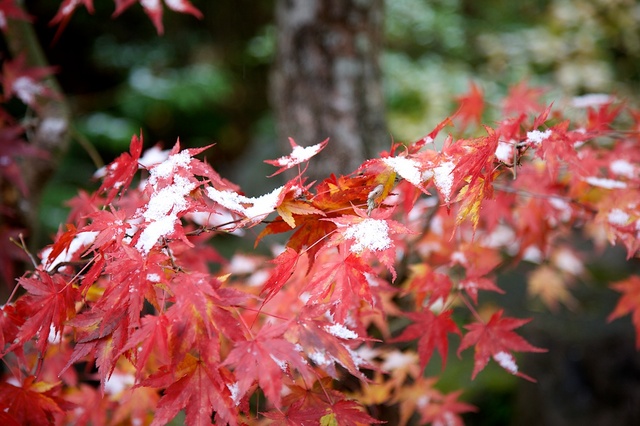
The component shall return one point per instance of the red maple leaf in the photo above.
(471, 106)
(341, 276)
(445, 410)
(523, 99)
(120, 173)
(32, 403)
(199, 387)
(347, 413)
(50, 303)
(266, 359)
(629, 303)
(153, 9)
(496, 339)
(285, 265)
(298, 155)
(365, 234)
(11, 10)
(151, 337)
(26, 82)
(431, 330)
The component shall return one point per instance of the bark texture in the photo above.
(326, 81)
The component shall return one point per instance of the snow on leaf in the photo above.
(443, 178)
(365, 234)
(298, 155)
(253, 208)
(406, 168)
(496, 339)
(369, 234)
(605, 183)
(536, 137)
(26, 82)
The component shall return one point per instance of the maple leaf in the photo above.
(197, 386)
(347, 413)
(26, 82)
(151, 337)
(9, 9)
(629, 302)
(471, 106)
(471, 285)
(325, 343)
(51, 303)
(32, 403)
(343, 277)
(119, 174)
(431, 330)
(522, 99)
(424, 282)
(496, 339)
(285, 265)
(445, 410)
(153, 9)
(264, 359)
(369, 234)
(549, 284)
(298, 155)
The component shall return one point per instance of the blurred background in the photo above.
(212, 81)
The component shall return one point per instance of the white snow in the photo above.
(506, 361)
(397, 359)
(591, 100)
(504, 152)
(161, 213)
(618, 217)
(566, 260)
(169, 166)
(605, 183)
(154, 278)
(153, 156)
(370, 234)
(623, 168)
(234, 389)
(258, 207)
(443, 179)
(341, 331)
(407, 168)
(82, 239)
(299, 155)
(537, 137)
(26, 89)
(118, 382)
(319, 358)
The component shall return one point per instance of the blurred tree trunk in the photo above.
(326, 82)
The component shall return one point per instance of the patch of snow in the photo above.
(605, 183)
(370, 234)
(537, 137)
(443, 178)
(405, 167)
(506, 361)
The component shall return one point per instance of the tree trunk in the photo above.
(326, 82)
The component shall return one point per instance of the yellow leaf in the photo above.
(288, 208)
(550, 286)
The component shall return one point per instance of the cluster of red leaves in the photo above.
(125, 295)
